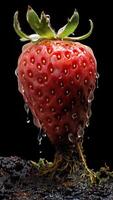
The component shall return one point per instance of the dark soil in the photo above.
(20, 180)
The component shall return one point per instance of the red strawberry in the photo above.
(56, 77)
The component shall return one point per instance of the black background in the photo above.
(19, 138)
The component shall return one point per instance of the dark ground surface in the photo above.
(19, 180)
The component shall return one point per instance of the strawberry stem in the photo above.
(40, 25)
(43, 29)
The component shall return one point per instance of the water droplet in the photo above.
(97, 75)
(28, 120)
(91, 97)
(37, 123)
(39, 138)
(87, 123)
(89, 113)
(57, 128)
(80, 132)
(97, 82)
(27, 111)
(16, 72)
(74, 116)
(44, 135)
(71, 137)
(26, 107)
(22, 90)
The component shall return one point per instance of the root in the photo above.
(66, 164)
(90, 173)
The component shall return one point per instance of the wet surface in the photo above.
(19, 180)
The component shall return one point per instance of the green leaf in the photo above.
(70, 27)
(40, 25)
(83, 37)
(17, 27)
(33, 19)
(46, 27)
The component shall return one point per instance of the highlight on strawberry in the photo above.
(57, 78)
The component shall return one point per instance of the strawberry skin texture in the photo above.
(56, 79)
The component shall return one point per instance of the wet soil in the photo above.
(20, 180)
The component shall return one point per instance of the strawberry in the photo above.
(56, 77)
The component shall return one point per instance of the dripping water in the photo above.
(26, 107)
(16, 72)
(88, 115)
(27, 120)
(80, 132)
(71, 137)
(97, 78)
(89, 112)
(27, 111)
(91, 97)
(39, 139)
(87, 123)
(44, 135)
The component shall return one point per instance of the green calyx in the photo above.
(43, 30)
